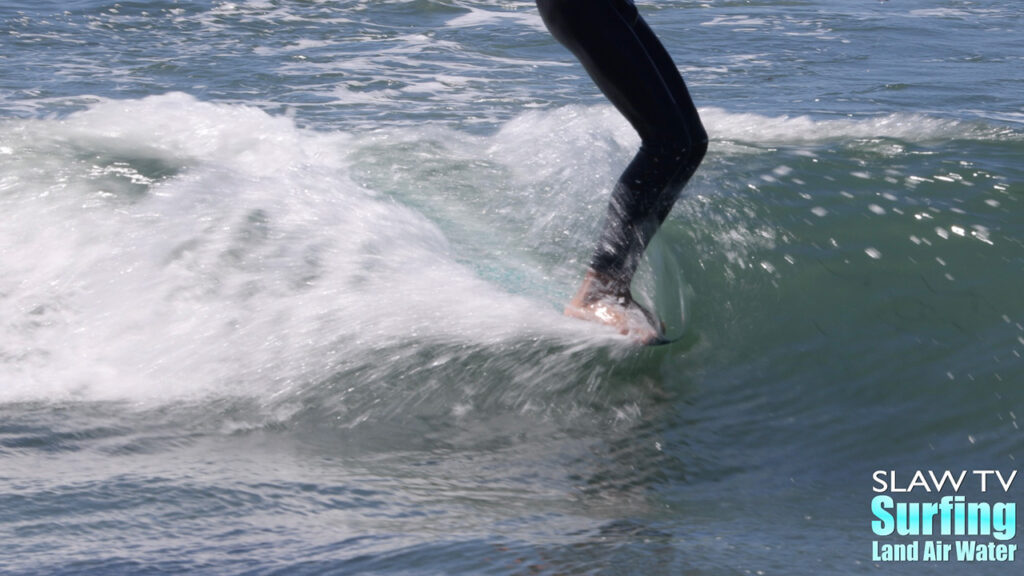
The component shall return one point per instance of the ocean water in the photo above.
(281, 282)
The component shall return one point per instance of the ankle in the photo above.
(597, 286)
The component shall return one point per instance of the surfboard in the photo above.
(666, 286)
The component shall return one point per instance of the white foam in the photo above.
(167, 248)
(957, 13)
(523, 14)
(753, 128)
(735, 21)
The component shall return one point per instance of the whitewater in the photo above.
(282, 284)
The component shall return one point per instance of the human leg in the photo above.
(634, 71)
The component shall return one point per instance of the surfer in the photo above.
(635, 72)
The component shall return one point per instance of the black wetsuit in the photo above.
(631, 67)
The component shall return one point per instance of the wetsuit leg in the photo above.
(635, 72)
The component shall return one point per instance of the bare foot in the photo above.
(599, 300)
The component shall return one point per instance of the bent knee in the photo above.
(699, 143)
(682, 145)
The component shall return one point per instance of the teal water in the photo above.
(281, 286)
